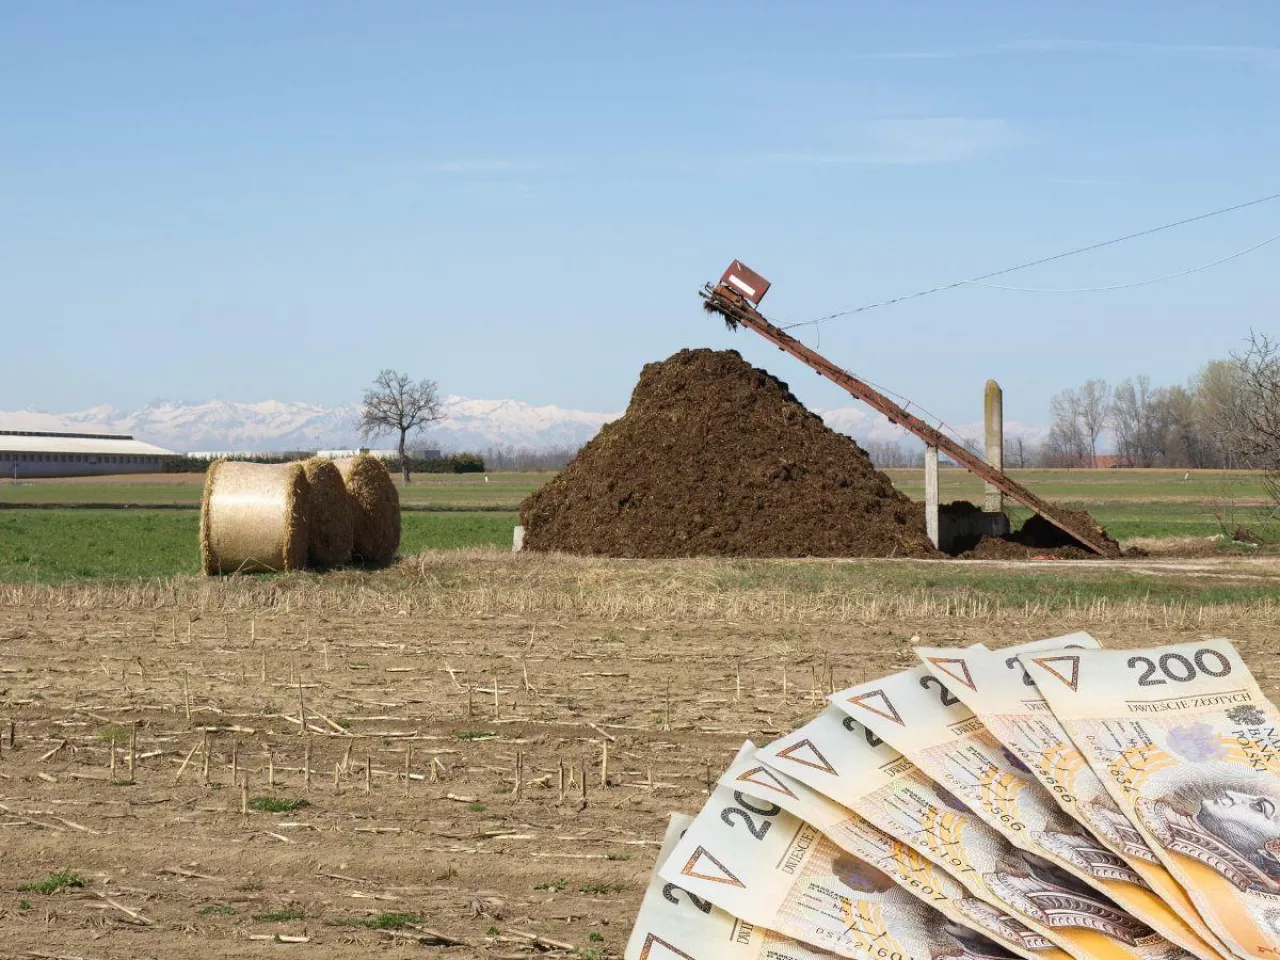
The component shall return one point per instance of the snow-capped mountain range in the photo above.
(276, 425)
(476, 425)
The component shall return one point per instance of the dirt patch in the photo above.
(715, 457)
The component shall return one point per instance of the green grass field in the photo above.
(1100, 486)
(1130, 520)
(67, 546)
(156, 534)
(504, 491)
(53, 546)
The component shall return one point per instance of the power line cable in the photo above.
(1136, 283)
(1058, 256)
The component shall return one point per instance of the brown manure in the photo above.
(1039, 538)
(376, 506)
(714, 457)
(254, 518)
(332, 515)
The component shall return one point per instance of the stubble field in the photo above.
(485, 676)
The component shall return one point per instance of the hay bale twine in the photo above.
(332, 515)
(255, 517)
(377, 508)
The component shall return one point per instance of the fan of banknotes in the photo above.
(1044, 801)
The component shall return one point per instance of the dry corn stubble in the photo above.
(190, 846)
(254, 518)
(377, 508)
(488, 582)
(332, 515)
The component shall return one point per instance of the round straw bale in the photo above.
(332, 515)
(255, 517)
(377, 508)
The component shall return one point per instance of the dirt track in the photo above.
(473, 862)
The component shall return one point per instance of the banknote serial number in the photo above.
(859, 946)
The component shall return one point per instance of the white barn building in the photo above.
(26, 454)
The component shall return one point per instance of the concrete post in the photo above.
(517, 540)
(993, 423)
(931, 493)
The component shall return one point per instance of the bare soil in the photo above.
(715, 457)
(173, 869)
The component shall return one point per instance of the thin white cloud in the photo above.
(1252, 54)
(514, 188)
(910, 141)
(962, 53)
(1081, 182)
(1269, 56)
(470, 166)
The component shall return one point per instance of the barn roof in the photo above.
(40, 441)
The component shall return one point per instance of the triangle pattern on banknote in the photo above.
(764, 777)
(956, 669)
(1065, 668)
(655, 948)
(806, 754)
(877, 702)
(703, 866)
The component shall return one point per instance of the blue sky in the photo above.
(248, 201)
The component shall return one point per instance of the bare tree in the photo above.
(1079, 417)
(1016, 453)
(1093, 402)
(1139, 421)
(1217, 389)
(1255, 430)
(396, 404)
(1183, 443)
(1067, 443)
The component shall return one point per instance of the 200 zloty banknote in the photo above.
(996, 687)
(839, 757)
(916, 712)
(1189, 749)
(674, 924)
(774, 870)
(852, 833)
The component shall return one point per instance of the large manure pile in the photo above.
(716, 458)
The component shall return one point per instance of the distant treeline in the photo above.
(1179, 425)
(453, 463)
(524, 458)
(201, 464)
(1227, 416)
